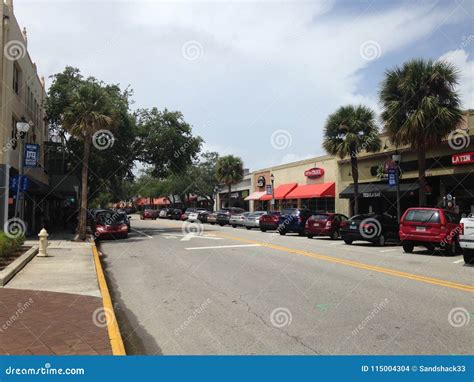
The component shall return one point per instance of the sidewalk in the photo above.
(54, 304)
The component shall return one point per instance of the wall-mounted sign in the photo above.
(371, 194)
(261, 181)
(19, 181)
(464, 158)
(314, 173)
(31, 157)
(268, 189)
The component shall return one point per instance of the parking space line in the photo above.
(225, 246)
(389, 250)
(355, 264)
(458, 261)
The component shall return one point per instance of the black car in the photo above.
(202, 215)
(223, 215)
(293, 220)
(175, 213)
(374, 228)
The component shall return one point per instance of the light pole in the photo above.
(22, 128)
(397, 158)
(272, 179)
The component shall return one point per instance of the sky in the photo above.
(255, 79)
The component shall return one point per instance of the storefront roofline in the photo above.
(293, 164)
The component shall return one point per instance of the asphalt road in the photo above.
(233, 291)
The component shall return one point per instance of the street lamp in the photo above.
(272, 179)
(22, 128)
(397, 158)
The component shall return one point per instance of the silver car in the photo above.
(253, 219)
(238, 220)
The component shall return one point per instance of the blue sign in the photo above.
(392, 177)
(31, 157)
(23, 182)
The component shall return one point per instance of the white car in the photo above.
(466, 239)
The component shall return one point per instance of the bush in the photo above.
(9, 245)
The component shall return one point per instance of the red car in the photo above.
(269, 221)
(110, 224)
(430, 227)
(324, 224)
(149, 214)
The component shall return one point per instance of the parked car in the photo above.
(293, 220)
(149, 214)
(238, 219)
(194, 215)
(324, 224)
(431, 228)
(203, 215)
(374, 228)
(252, 220)
(162, 213)
(176, 213)
(186, 213)
(129, 210)
(269, 221)
(223, 216)
(466, 239)
(108, 223)
(212, 218)
(123, 215)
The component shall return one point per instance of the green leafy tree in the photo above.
(89, 111)
(348, 131)
(166, 141)
(420, 108)
(229, 171)
(204, 175)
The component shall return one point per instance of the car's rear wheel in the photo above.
(300, 233)
(468, 256)
(281, 232)
(249, 228)
(381, 240)
(450, 249)
(348, 241)
(234, 226)
(263, 229)
(408, 246)
(334, 235)
(221, 224)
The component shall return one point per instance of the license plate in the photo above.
(353, 226)
(420, 229)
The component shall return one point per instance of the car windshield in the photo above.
(109, 218)
(320, 217)
(422, 216)
(289, 211)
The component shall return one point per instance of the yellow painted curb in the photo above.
(112, 326)
(355, 264)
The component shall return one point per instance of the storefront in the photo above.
(238, 195)
(305, 184)
(449, 174)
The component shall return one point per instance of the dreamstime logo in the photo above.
(377, 309)
(192, 50)
(281, 139)
(281, 317)
(191, 229)
(14, 50)
(370, 50)
(459, 139)
(370, 228)
(101, 316)
(458, 317)
(14, 227)
(103, 139)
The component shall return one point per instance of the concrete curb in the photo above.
(112, 326)
(13, 268)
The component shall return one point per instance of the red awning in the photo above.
(281, 191)
(161, 201)
(142, 201)
(322, 190)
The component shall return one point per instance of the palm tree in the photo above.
(90, 110)
(420, 108)
(348, 131)
(229, 171)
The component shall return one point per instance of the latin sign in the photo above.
(314, 173)
(261, 181)
(31, 155)
(463, 158)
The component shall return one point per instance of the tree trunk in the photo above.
(355, 178)
(230, 197)
(85, 172)
(421, 175)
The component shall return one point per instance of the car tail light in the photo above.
(461, 228)
(443, 228)
(328, 224)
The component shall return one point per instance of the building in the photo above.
(22, 95)
(238, 195)
(449, 173)
(309, 184)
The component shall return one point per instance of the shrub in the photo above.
(9, 245)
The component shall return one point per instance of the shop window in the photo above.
(16, 79)
(319, 204)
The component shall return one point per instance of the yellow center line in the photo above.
(374, 268)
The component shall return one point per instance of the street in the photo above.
(206, 289)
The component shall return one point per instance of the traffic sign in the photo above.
(392, 177)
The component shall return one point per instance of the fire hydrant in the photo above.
(43, 243)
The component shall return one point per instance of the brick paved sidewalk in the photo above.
(44, 323)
